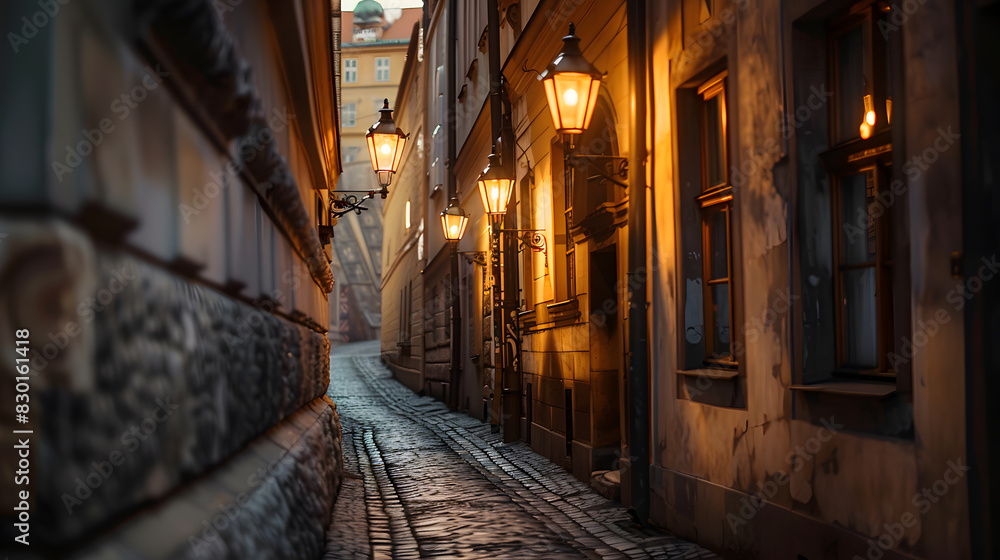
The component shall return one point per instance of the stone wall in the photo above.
(158, 211)
(143, 381)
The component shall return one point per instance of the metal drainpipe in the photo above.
(506, 375)
(638, 366)
(456, 314)
(337, 22)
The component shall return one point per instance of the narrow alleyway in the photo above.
(423, 481)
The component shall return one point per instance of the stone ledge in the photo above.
(267, 501)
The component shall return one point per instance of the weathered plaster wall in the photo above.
(709, 460)
(404, 249)
(560, 354)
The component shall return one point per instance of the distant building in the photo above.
(372, 59)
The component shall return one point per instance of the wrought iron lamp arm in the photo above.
(340, 207)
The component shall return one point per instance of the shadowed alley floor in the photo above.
(422, 481)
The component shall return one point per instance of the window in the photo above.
(859, 164)
(350, 70)
(382, 69)
(852, 202)
(715, 204)
(562, 221)
(706, 227)
(407, 217)
(348, 115)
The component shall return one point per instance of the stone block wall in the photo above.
(158, 213)
(141, 382)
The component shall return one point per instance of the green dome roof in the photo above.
(368, 12)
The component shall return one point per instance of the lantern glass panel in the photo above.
(495, 193)
(383, 149)
(572, 97)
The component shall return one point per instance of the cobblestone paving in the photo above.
(425, 482)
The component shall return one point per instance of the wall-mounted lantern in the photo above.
(453, 221)
(495, 187)
(385, 146)
(571, 85)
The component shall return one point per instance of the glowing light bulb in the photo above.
(866, 131)
(870, 118)
(571, 97)
(453, 231)
(495, 193)
(386, 149)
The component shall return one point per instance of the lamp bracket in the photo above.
(342, 205)
(478, 257)
(533, 238)
(525, 68)
(609, 168)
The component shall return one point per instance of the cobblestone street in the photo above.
(423, 481)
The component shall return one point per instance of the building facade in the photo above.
(406, 221)
(372, 58)
(769, 314)
(167, 166)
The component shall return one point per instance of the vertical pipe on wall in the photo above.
(493, 39)
(456, 314)
(638, 363)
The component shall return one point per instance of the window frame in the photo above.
(380, 68)
(855, 156)
(350, 71)
(713, 198)
(354, 115)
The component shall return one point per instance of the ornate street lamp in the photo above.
(453, 221)
(571, 85)
(495, 187)
(385, 146)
